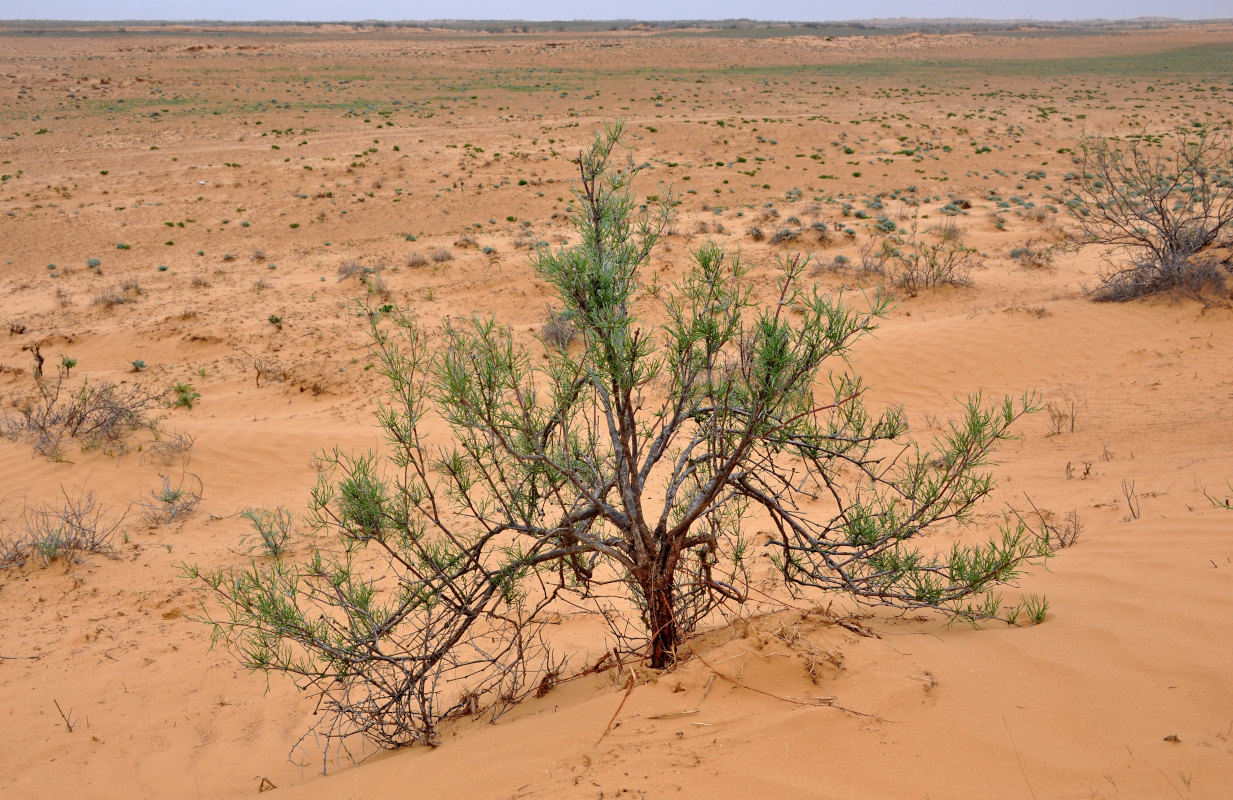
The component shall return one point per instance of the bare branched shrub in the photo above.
(353, 269)
(269, 369)
(947, 231)
(168, 448)
(112, 297)
(416, 260)
(95, 414)
(1063, 414)
(442, 254)
(874, 254)
(622, 473)
(369, 277)
(1159, 201)
(173, 501)
(64, 531)
(916, 265)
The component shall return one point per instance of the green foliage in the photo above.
(183, 396)
(619, 471)
(271, 530)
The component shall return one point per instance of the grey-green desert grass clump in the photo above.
(620, 473)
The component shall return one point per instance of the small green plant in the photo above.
(184, 395)
(67, 364)
(1035, 607)
(1221, 502)
(138, 365)
(276, 321)
(172, 502)
(271, 530)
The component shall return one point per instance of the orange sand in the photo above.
(1123, 691)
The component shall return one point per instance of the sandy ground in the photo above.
(207, 181)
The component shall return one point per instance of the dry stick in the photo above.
(18, 658)
(63, 716)
(628, 692)
(1031, 791)
(829, 702)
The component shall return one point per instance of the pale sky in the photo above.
(786, 10)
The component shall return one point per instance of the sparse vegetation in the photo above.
(619, 476)
(1160, 203)
(77, 525)
(172, 501)
(97, 415)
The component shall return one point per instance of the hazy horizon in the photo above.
(561, 10)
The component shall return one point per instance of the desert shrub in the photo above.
(100, 414)
(785, 235)
(127, 292)
(619, 473)
(369, 277)
(271, 530)
(924, 265)
(1158, 202)
(441, 254)
(77, 525)
(416, 260)
(1033, 254)
(168, 447)
(874, 254)
(947, 231)
(559, 330)
(824, 233)
(915, 264)
(173, 501)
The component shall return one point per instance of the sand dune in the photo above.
(190, 187)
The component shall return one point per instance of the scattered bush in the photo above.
(63, 532)
(558, 331)
(1162, 207)
(1033, 254)
(95, 414)
(171, 503)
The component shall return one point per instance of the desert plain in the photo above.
(204, 206)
